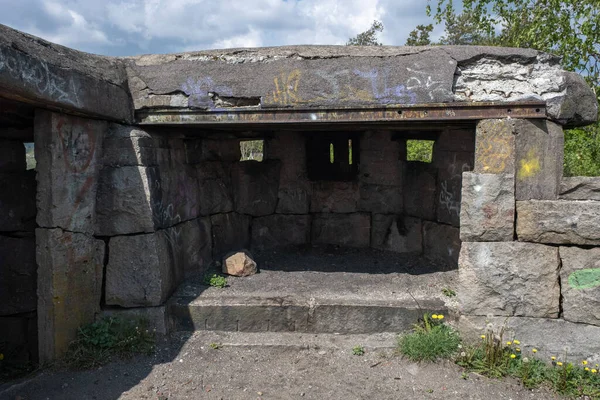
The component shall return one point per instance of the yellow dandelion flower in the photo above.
(513, 356)
(441, 316)
(483, 336)
(586, 369)
(594, 371)
(516, 342)
(534, 350)
(508, 343)
(584, 362)
(559, 364)
(434, 316)
(553, 358)
(518, 349)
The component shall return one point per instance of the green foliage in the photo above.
(252, 150)
(430, 340)
(358, 350)
(419, 150)
(215, 346)
(420, 36)
(99, 342)
(448, 292)
(215, 280)
(582, 151)
(368, 37)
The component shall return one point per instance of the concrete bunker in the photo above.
(141, 182)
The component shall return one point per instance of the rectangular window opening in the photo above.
(252, 150)
(30, 155)
(419, 150)
(332, 156)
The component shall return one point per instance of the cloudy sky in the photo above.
(129, 27)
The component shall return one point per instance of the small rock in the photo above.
(239, 264)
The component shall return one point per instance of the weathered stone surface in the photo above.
(62, 77)
(230, 232)
(580, 284)
(539, 156)
(140, 270)
(280, 231)
(336, 197)
(488, 208)
(451, 166)
(294, 200)
(18, 201)
(549, 336)
(397, 233)
(580, 188)
(509, 278)
(221, 150)
(420, 190)
(239, 263)
(174, 195)
(255, 187)
(353, 230)
(19, 338)
(18, 275)
(495, 147)
(455, 140)
(578, 106)
(124, 203)
(381, 159)
(157, 318)
(441, 242)
(126, 145)
(380, 199)
(69, 286)
(216, 192)
(192, 242)
(559, 222)
(12, 156)
(68, 151)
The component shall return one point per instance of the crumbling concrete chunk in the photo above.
(239, 263)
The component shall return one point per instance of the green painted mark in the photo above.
(585, 278)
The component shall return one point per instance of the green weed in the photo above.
(448, 292)
(358, 350)
(430, 340)
(214, 279)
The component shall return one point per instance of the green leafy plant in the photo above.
(99, 342)
(358, 350)
(214, 279)
(448, 292)
(215, 346)
(430, 340)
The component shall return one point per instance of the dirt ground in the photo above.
(287, 367)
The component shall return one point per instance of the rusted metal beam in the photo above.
(283, 116)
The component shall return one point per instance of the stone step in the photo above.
(298, 314)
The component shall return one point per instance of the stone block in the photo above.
(126, 145)
(157, 318)
(559, 222)
(221, 150)
(69, 286)
(140, 270)
(124, 201)
(230, 232)
(455, 140)
(510, 279)
(68, 151)
(548, 336)
(539, 157)
(380, 199)
(280, 231)
(580, 188)
(239, 263)
(336, 197)
(441, 243)
(294, 199)
(495, 147)
(193, 151)
(381, 159)
(18, 275)
(451, 166)
(12, 156)
(174, 195)
(352, 230)
(17, 201)
(420, 190)
(397, 233)
(580, 284)
(255, 187)
(193, 243)
(487, 208)
(215, 188)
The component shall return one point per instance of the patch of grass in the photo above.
(100, 342)
(214, 279)
(448, 292)
(430, 340)
(358, 350)
(215, 346)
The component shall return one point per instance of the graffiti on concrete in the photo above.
(201, 90)
(38, 74)
(449, 197)
(529, 166)
(585, 279)
(494, 152)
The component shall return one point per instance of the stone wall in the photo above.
(18, 275)
(528, 258)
